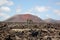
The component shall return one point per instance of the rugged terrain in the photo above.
(29, 31)
(29, 27)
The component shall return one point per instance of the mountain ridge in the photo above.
(23, 18)
(50, 20)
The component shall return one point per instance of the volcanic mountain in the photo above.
(23, 18)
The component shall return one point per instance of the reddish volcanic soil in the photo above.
(24, 18)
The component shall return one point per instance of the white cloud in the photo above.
(6, 2)
(18, 10)
(58, 3)
(9, 3)
(4, 16)
(2, 2)
(30, 10)
(5, 9)
(42, 8)
(57, 11)
(48, 16)
(28, 13)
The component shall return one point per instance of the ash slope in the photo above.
(24, 18)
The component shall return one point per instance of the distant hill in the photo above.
(50, 20)
(23, 18)
(58, 21)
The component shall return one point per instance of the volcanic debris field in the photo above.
(29, 31)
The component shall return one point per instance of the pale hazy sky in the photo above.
(41, 8)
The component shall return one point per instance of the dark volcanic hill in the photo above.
(23, 18)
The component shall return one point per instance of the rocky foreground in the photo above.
(29, 31)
